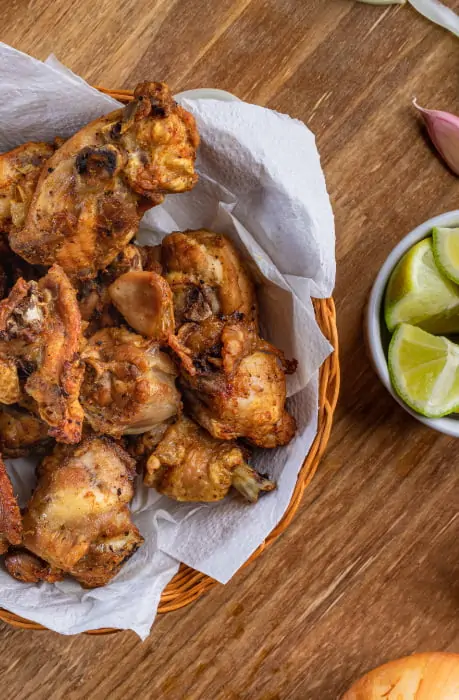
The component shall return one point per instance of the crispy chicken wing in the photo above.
(19, 172)
(207, 276)
(129, 384)
(190, 465)
(89, 200)
(145, 301)
(78, 519)
(28, 568)
(10, 515)
(22, 433)
(40, 336)
(235, 382)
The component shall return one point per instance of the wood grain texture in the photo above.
(369, 569)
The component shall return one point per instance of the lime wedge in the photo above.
(446, 251)
(418, 293)
(424, 371)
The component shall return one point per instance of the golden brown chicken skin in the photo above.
(10, 515)
(234, 382)
(91, 196)
(22, 433)
(129, 383)
(141, 446)
(19, 173)
(40, 336)
(207, 276)
(78, 519)
(190, 465)
(27, 568)
(10, 387)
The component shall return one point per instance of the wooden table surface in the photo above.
(369, 570)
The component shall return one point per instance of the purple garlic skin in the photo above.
(443, 129)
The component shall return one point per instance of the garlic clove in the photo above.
(443, 129)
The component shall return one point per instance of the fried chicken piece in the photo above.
(27, 568)
(78, 518)
(207, 276)
(19, 173)
(237, 384)
(21, 432)
(89, 200)
(190, 465)
(145, 301)
(129, 384)
(40, 334)
(10, 515)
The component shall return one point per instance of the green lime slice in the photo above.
(446, 251)
(418, 293)
(424, 371)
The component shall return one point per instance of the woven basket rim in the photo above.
(188, 585)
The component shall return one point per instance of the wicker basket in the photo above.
(188, 585)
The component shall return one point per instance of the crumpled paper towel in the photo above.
(260, 183)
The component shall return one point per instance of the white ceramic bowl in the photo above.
(378, 336)
(208, 94)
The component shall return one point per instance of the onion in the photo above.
(432, 676)
(438, 13)
(432, 9)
